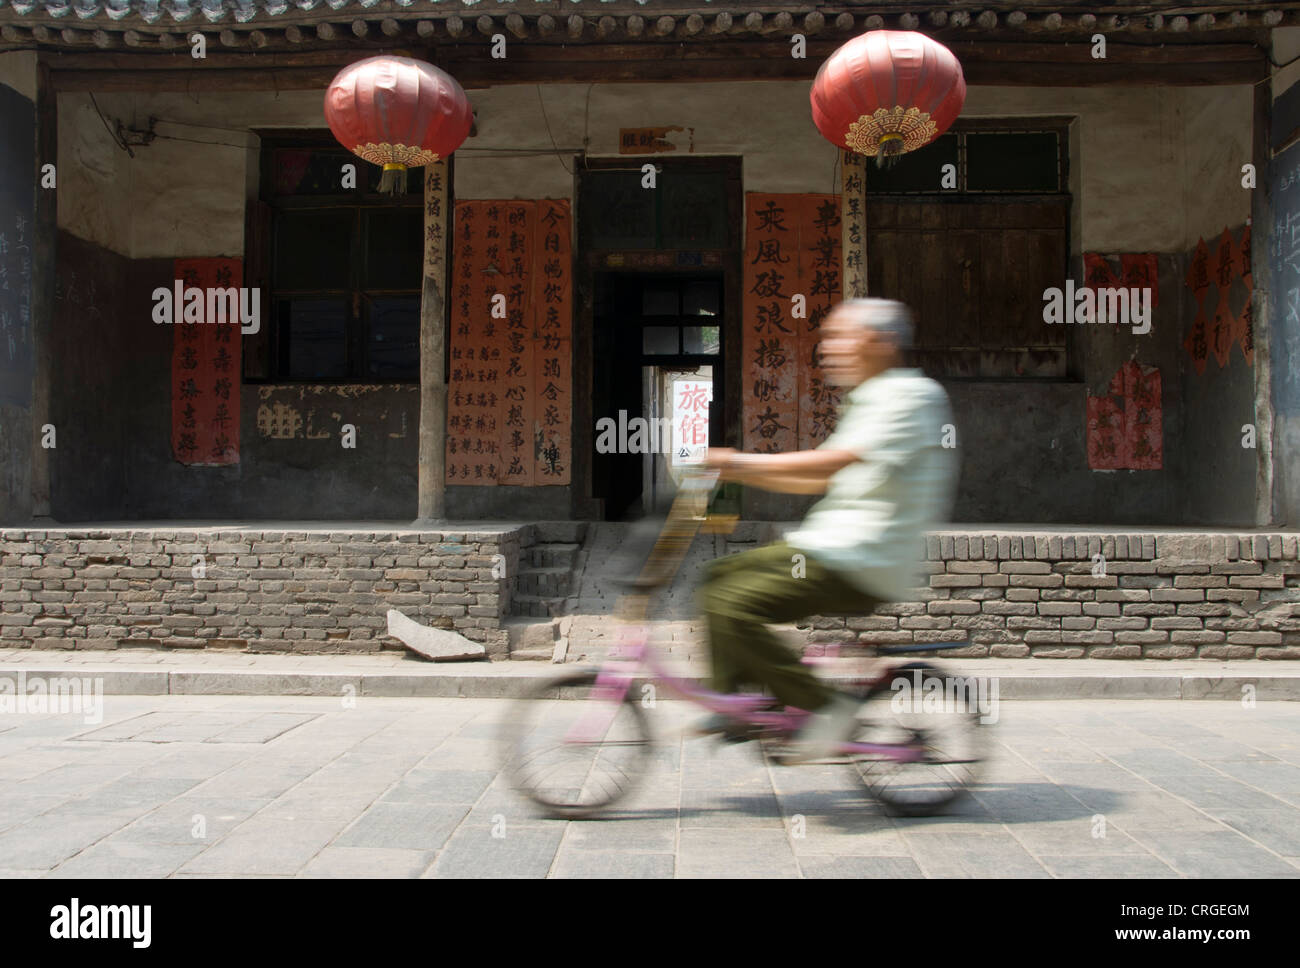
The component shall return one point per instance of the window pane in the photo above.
(694, 210)
(660, 299)
(313, 249)
(659, 340)
(917, 171)
(1012, 162)
(701, 298)
(701, 339)
(318, 348)
(393, 352)
(394, 248)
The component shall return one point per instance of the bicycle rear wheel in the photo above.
(940, 723)
(572, 751)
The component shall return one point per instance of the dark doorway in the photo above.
(658, 351)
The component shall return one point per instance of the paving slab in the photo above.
(407, 787)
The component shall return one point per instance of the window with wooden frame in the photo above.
(340, 267)
(971, 247)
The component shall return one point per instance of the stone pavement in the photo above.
(278, 786)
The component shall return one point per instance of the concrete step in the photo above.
(531, 638)
(162, 672)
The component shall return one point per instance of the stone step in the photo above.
(560, 532)
(544, 582)
(552, 555)
(534, 605)
(531, 638)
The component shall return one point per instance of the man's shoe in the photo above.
(821, 736)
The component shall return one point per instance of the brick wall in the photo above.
(1162, 595)
(285, 591)
(1005, 594)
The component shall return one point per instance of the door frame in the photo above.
(588, 261)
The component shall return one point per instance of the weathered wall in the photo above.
(1152, 169)
(1157, 166)
(95, 379)
(1280, 330)
(17, 71)
(113, 413)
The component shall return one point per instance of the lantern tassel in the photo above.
(889, 150)
(393, 180)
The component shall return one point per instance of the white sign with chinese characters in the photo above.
(691, 399)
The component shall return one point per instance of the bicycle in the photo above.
(575, 759)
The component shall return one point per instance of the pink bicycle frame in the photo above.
(634, 655)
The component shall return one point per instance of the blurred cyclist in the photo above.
(887, 480)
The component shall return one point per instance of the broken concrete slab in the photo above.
(439, 645)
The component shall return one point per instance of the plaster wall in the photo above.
(1152, 170)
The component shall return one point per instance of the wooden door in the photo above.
(973, 272)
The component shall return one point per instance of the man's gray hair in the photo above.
(884, 315)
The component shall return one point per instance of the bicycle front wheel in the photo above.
(572, 749)
(915, 711)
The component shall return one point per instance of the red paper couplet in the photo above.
(1125, 426)
(1097, 273)
(1198, 273)
(792, 249)
(1223, 266)
(552, 354)
(1243, 258)
(1143, 417)
(770, 345)
(1140, 271)
(206, 364)
(510, 397)
(1198, 340)
(1221, 330)
(819, 279)
(1243, 331)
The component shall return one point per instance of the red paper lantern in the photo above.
(397, 112)
(887, 92)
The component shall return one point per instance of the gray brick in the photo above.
(1102, 608)
(1024, 567)
(1127, 623)
(954, 581)
(1141, 638)
(1177, 595)
(971, 567)
(1089, 638)
(1178, 636)
(1036, 581)
(1254, 638)
(1177, 622)
(1008, 608)
(1061, 608)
